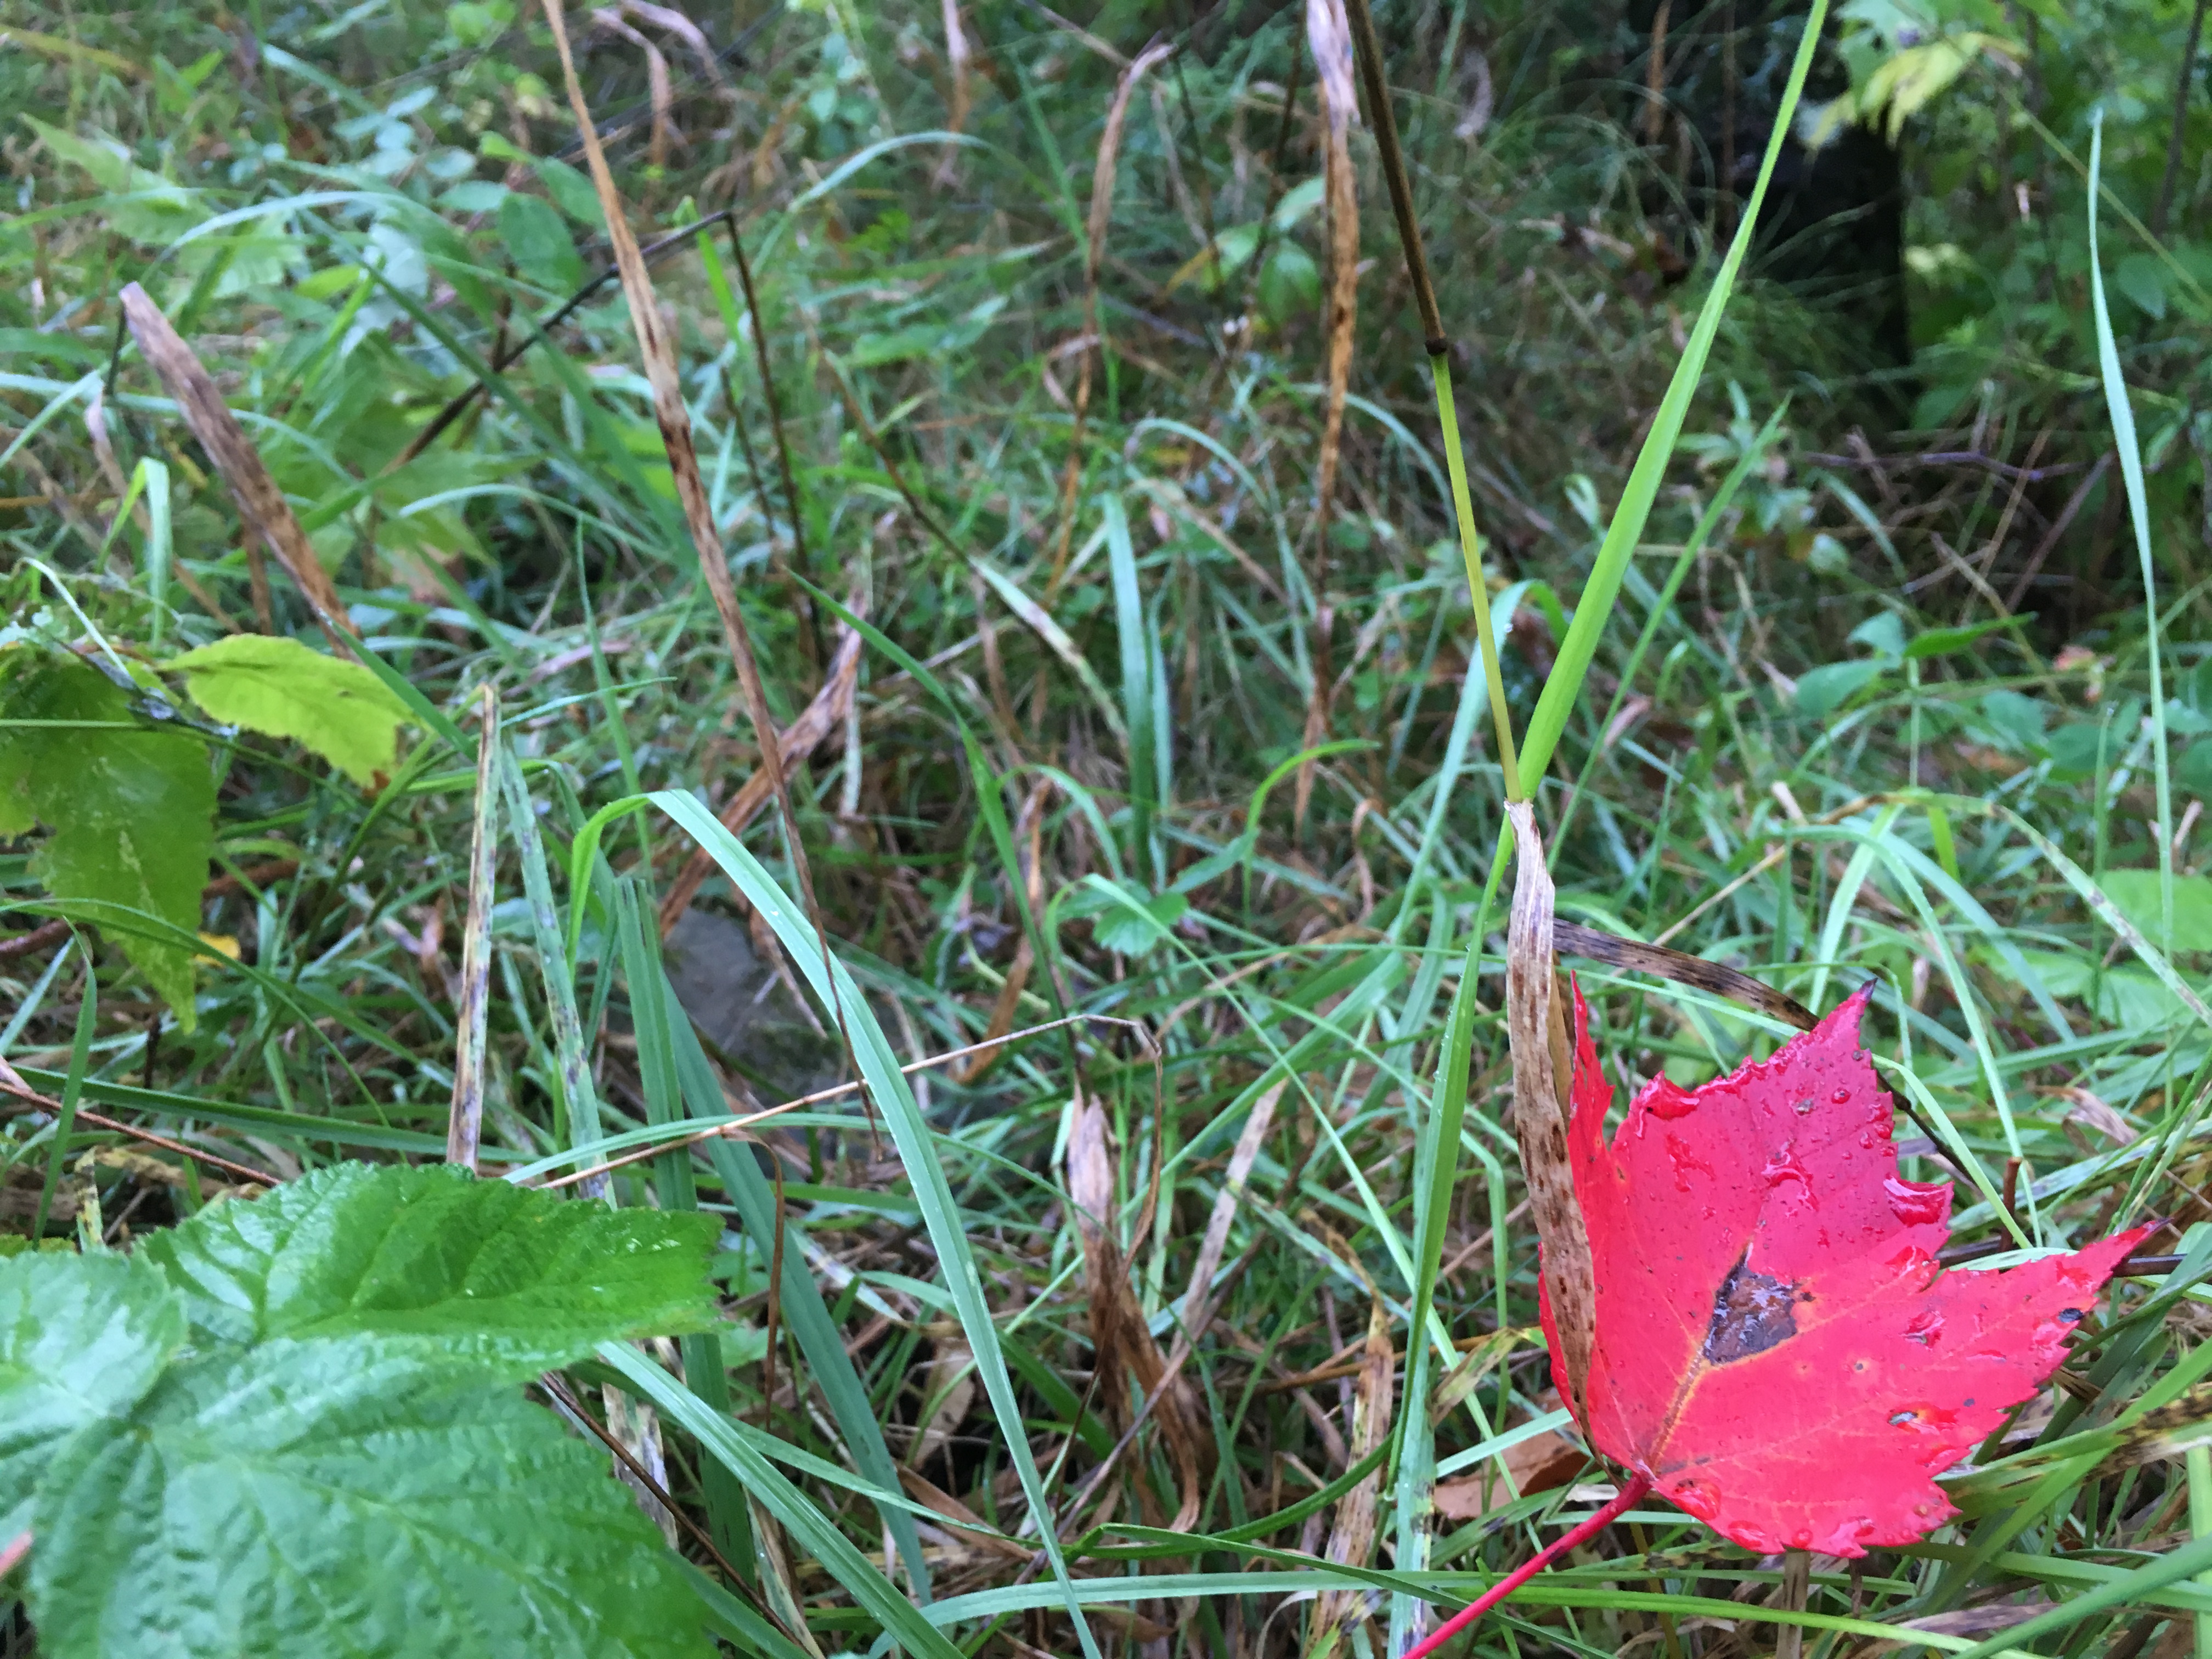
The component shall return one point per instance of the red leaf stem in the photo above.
(1638, 1488)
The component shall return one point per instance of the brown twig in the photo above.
(24, 945)
(30, 1100)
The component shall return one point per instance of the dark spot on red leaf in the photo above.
(1750, 1315)
(2071, 1315)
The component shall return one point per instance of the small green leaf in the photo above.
(1944, 641)
(2018, 718)
(81, 1337)
(539, 244)
(433, 1260)
(1290, 285)
(132, 811)
(2136, 893)
(283, 689)
(1128, 918)
(1821, 691)
(340, 1497)
(2141, 279)
(573, 191)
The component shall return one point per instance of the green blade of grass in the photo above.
(879, 1066)
(1594, 608)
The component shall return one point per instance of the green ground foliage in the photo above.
(1072, 447)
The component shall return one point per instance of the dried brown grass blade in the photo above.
(1570, 939)
(1197, 1312)
(261, 505)
(1352, 1533)
(1329, 32)
(957, 56)
(1024, 963)
(1543, 1075)
(1096, 224)
(1121, 1342)
(464, 1125)
(685, 29)
(800, 738)
(974, 1529)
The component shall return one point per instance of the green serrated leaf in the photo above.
(132, 811)
(81, 1337)
(435, 1262)
(340, 1497)
(283, 689)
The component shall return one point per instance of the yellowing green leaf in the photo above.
(131, 809)
(282, 688)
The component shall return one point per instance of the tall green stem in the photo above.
(1470, 549)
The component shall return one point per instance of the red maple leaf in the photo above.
(1777, 1351)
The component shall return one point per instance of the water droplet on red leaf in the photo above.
(1917, 1206)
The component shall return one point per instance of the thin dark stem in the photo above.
(1370, 55)
(2184, 74)
(774, 404)
(508, 352)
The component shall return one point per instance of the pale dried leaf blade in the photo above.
(261, 504)
(1215, 1244)
(1109, 151)
(464, 1125)
(1539, 1094)
(1121, 1340)
(1352, 1532)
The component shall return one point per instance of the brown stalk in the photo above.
(659, 353)
(30, 1100)
(957, 54)
(464, 1124)
(23, 945)
(1655, 108)
(261, 505)
(800, 740)
(572, 1409)
(735, 1130)
(1100, 218)
(1543, 1075)
(1329, 32)
(1384, 121)
(806, 608)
